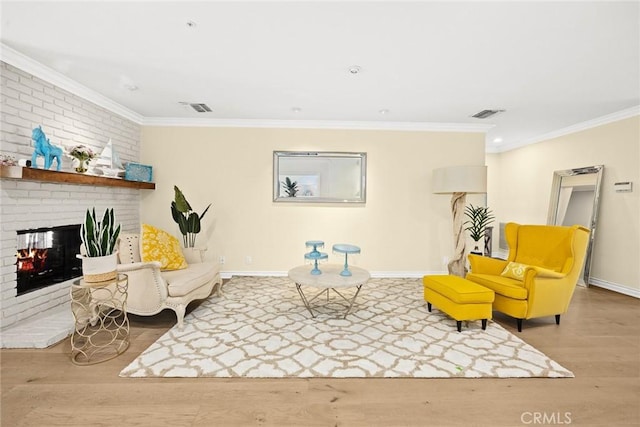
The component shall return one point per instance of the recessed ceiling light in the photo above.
(354, 69)
(383, 111)
(296, 109)
(131, 87)
(497, 140)
(191, 24)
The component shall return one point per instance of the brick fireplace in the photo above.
(33, 205)
(67, 119)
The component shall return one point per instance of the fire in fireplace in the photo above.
(32, 259)
(47, 256)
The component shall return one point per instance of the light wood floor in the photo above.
(599, 340)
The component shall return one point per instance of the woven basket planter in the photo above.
(99, 269)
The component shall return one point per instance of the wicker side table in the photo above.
(101, 323)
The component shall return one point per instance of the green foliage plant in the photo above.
(479, 219)
(290, 187)
(99, 238)
(186, 218)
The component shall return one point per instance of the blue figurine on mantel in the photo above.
(45, 149)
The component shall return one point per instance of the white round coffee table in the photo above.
(329, 280)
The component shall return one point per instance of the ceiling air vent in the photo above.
(486, 113)
(201, 108)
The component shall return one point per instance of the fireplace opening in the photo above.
(47, 256)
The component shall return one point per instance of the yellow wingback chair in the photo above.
(544, 263)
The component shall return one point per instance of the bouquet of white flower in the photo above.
(82, 153)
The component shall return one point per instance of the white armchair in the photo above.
(152, 290)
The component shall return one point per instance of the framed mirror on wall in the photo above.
(575, 198)
(319, 177)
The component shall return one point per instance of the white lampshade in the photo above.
(460, 179)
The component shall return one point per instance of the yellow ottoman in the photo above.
(460, 298)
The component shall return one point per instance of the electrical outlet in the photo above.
(248, 260)
(221, 260)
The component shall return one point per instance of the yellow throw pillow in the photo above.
(514, 270)
(158, 245)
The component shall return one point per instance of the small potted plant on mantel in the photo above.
(100, 259)
(479, 219)
(189, 223)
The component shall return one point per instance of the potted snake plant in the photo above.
(479, 219)
(99, 239)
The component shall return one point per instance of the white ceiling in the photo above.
(550, 65)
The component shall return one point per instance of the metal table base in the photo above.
(307, 302)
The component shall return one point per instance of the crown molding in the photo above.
(316, 124)
(41, 71)
(578, 127)
(23, 62)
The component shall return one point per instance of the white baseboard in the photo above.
(230, 274)
(374, 274)
(403, 274)
(614, 287)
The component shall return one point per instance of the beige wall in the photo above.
(520, 185)
(402, 228)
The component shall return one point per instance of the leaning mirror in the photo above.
(575, 196)
(321, 177)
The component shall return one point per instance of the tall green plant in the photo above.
(99, 238)
(479, 219)
(187, 219)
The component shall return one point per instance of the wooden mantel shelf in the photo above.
(44, 175)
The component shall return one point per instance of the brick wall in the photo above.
(67, 120)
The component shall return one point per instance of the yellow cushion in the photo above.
(501, 285)
(458, 311)
(515, 270)
(457, 289)
(158, 245)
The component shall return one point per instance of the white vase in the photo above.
(100, 268)
(193, 255)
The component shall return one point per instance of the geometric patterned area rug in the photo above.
(261, 329)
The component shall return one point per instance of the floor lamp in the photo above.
(459, 181)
